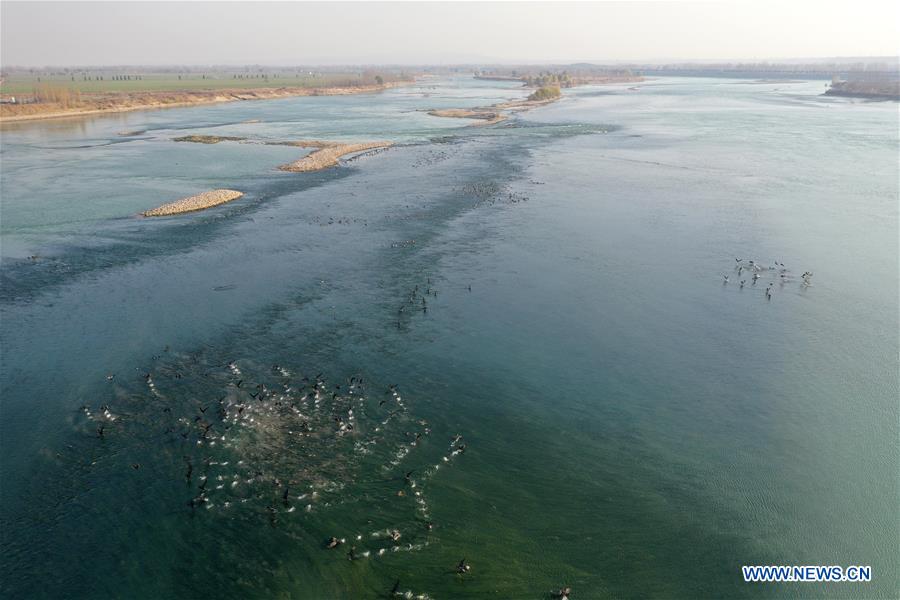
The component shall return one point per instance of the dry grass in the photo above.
(193, 203)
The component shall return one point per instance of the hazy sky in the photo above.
(104, 33)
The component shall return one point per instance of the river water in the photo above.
(510, 344)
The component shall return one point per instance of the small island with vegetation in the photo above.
(872, 86)
(547, 92)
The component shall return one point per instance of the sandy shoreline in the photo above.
(128, 102)
(194, 203)
(327, 155)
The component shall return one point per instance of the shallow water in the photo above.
(633, 426)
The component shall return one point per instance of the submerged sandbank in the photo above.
(193, 203)
(208, 139)
(525, 104)
(488, 115)
(327, 154)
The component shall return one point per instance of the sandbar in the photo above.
(194, 203)
(327, 155)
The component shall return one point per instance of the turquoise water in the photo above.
(632, 426)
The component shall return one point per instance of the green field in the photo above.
(91, 82)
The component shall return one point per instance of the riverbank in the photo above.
(194, 203)
(118, 102)
(327, 155)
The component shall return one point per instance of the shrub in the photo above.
(545, 93)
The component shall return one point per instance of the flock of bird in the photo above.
(756, 271)
(271, 443)
(326, 221)
(366, 154)
(417, 301)
(433, 156)
(491, 192)
(279, 445)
